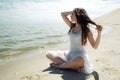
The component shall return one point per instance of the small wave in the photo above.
(25, 40)
(4, 49)
(9, 53)
(39, 38)
(32, 33)
(31, 48)
(4, 36)
(9, 42)
(52, 43)
(13, 53)
(55, 36)
(37, 33)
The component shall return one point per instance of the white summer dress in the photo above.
(76, 49)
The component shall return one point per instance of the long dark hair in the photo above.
(84, 20)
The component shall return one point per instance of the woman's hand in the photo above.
(99, 28)
(66, 13)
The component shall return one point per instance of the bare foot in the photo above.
(54, 65)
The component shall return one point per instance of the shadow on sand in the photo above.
(71, 74)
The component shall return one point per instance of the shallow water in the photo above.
(18, 38)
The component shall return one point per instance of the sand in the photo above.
(105, 59)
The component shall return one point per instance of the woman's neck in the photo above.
(77, 25)
(77, 28)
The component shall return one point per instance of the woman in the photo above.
(76, 58)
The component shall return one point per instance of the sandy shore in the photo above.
(105, 59)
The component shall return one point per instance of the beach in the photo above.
(105, 59)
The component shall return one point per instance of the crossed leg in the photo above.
(75, 63)
(55, 60)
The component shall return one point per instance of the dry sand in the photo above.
(105, 59)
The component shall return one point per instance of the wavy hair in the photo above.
(82, 19)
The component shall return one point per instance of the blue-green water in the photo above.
(14, 39)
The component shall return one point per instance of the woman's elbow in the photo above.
(95, 47)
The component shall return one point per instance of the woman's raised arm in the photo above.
(65, 17)
(95, 43)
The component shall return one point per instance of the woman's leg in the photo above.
(75, 64)
(56, 60)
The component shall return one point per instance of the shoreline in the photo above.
(29, 53)
(105, 58)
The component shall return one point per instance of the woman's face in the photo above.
(73, 17)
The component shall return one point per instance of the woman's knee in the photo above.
(52, 57)
(48, 55)
(80, 61)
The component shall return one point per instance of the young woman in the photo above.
(76, 58)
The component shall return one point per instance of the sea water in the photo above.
(36, 24)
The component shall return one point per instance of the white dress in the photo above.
(76, 49)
